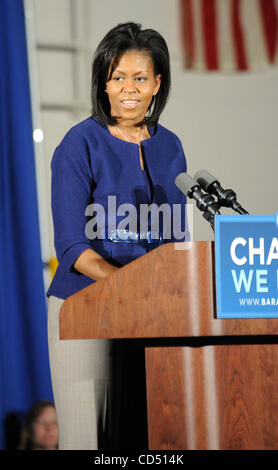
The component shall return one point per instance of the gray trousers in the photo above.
(80, 378)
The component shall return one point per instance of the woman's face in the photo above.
(132, 86)
(45, 429)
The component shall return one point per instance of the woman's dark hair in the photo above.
(122, 38)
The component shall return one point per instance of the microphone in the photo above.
(226, 197)
(205, 202)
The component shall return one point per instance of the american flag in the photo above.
(230, 35)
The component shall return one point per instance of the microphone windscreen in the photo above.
(205, 179)
(185, 182)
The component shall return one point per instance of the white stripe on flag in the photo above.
(226, 50)
(255, 41)
(199, 58)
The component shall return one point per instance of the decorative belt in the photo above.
(144, 238)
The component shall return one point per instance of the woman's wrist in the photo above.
(92, 265)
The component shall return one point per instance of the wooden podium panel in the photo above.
(166, 293)
(213, 397)
(215, 385)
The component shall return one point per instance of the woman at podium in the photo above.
(118, 157)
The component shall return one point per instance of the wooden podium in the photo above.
(211, 383)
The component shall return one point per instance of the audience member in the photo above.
(40, 428)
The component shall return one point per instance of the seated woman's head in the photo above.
(40, 429)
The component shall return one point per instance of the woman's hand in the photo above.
(93, 265)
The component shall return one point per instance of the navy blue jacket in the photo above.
(89, 167)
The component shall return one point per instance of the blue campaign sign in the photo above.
(246, 260)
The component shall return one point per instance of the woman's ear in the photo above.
(157, 84)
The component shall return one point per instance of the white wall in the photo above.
(227, 123)
(229, 126)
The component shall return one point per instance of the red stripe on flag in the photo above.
(269, 22)
(188, 31)
(209, 25)
(238, 36)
